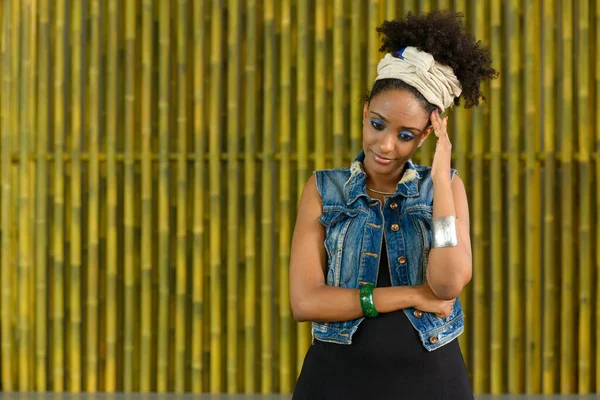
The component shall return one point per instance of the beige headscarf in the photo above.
(435, 81)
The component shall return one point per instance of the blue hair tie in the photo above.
(398, 53)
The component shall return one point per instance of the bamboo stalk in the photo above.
(285, 175)
(164, 229)
(424, 6)
(77, 61)
(356, 57)
(408, 6)
(460, 120)
(146, 306)
(515, 266)
(129, 189)
(496, 211)
(112, 129)
(216, 293)
(550, 285)
(373, 56)
(182, 176)
(266, 283)
(233, 214)
(41, 193)
(596, 52)
(584, 370)
(338, 84)
(533, 268)
(199, 197)
(91, 329)
(445, 4)
(6, 121)
(391, 8)
(320, 109)
(302, 128)
(567, 357)
(57, 313)
(481, 311)
(21, 67)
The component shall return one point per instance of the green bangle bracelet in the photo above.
(366, 301)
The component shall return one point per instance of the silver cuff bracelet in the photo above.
(444, 232)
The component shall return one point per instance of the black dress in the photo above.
(386, 360)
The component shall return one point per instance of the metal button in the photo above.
(418, 314)
(393, 205)
(401, 260)
(433, 339)
(395, 227)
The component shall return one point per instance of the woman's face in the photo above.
(394, 126)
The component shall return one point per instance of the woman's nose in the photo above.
(387, 143)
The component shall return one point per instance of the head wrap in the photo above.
(435, 81)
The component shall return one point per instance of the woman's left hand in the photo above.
(440, 168)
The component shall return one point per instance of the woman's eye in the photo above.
(406, 136)
(377, 125)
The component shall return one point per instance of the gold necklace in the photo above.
(378, 192)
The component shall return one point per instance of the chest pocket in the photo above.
(342, 238)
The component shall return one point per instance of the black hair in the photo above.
(443, 35)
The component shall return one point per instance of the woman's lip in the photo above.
(380, 159)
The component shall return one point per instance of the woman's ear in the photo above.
(365, 111)
(425, 135)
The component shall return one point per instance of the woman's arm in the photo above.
(312, 300)
(449, 268)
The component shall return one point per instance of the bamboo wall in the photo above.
(153, 152)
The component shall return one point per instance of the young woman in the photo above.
(381, 249)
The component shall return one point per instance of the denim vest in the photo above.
(356, 226)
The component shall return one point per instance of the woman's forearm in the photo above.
(448, 268)
(333, 304)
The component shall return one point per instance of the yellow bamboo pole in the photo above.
(216, 293)
(164, 229)
(480, 306)
(199, 197)
(533, 267)
(233, 213)
(567, 343)
(303, 127)
(129, 189)
(267, 176)
(356, 79)
(285, 176)
(41, 215)
(496, 211)
(182, 176)
(74, 351)
(338, 84)
(424, 6)
(584, 368)
(373, 44)
(21, 68)
(515, 266)
(91, 329)
(6, 255)
(112, 131)
(146, 309)
(596, 52)
(459, 118)
(550, 267)
(320, 85)
(391, 9)
(445, 4)
(408, 6)
(57, 313)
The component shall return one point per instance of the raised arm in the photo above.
(312, 300)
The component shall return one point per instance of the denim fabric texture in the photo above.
(356, 226)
